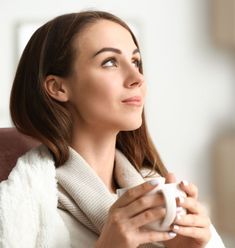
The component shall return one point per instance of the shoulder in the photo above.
(33, 173)
(35, 163)
(36, 158)
(28, 200)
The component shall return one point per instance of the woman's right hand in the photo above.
(128, 215)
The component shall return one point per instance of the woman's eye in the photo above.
(136, 63)
(109, 63)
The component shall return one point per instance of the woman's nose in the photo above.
(134, 78)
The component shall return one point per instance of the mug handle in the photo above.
(170, 201)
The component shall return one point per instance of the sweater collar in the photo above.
(83, 193)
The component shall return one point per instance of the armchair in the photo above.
(13, 144)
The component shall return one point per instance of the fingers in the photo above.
(191, 205)
(147, 217)
(189, 188)
(192, 220)
(153, 236)
(170, 178)
(200, 234)
(144, 203)
(134, 193)
(195, 224)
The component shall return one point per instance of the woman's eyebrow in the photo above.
(115, 50)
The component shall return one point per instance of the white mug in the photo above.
(170, 192)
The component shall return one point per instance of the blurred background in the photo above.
(188, 48)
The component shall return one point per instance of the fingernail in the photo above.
(172, 234)
(176, 227)
(178, 217)
(185, 183)
(153, 182)
(179, 210)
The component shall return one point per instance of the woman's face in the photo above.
(106, 89)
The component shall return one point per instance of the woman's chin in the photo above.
(131, 126)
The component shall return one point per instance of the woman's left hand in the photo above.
(193, 229)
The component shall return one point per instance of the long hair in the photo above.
(34, 113)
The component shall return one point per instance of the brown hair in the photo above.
(50, 52)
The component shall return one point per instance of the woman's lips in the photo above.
(135, 100)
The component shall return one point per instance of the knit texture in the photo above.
(85, 196)
(83, 193)
(28, 200)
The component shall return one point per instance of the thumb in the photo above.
(170, 177)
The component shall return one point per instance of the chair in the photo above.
(13, 144)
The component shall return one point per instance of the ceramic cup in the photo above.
(170, 192)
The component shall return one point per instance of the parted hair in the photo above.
(50, 51)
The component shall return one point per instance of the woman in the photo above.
(79, 89)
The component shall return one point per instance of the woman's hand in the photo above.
(193, 229)
(128, 215)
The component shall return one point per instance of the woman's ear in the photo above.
(56, 87)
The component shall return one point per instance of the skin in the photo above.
(193, 229)
(101, 79)
(95, 90)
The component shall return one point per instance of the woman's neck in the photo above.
(99, 152)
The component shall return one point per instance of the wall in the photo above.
(191, 86)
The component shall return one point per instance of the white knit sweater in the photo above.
(29, 217)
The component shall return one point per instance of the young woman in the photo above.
(79, 89)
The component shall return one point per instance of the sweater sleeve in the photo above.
(215, 240)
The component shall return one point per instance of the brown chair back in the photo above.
(13, 144)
